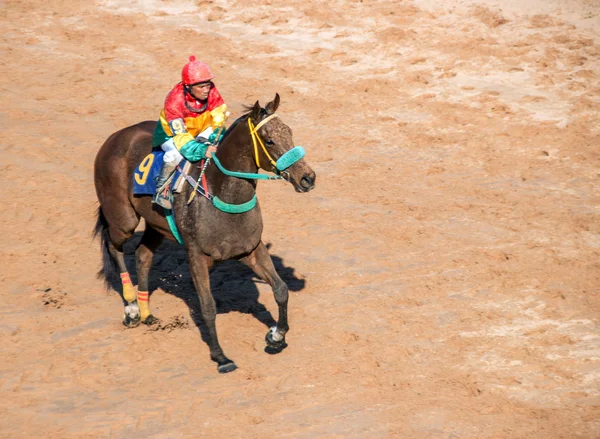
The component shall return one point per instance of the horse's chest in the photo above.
(231, 249)
(235, 241)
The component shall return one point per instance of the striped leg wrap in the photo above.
(144, 304)
(128, 288)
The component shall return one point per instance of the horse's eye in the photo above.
(269, 142)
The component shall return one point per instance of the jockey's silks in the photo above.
(177, 121)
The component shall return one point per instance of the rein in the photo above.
(279, 167)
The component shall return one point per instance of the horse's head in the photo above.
(274, 149)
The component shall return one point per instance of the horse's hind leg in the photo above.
(131, 316)
(261, 263)
(116, 224)
(151, 240)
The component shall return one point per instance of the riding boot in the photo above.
(163, 196)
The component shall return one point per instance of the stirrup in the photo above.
(163, 200)
(163, 196)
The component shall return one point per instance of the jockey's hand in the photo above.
(210, 151)
(214, 138)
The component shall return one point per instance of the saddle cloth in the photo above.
(144, 176)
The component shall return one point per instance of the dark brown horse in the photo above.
(209, 234)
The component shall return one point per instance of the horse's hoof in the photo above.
(275, 347)
(130, 322)
(151, 320)
(131, 315)
(275, 341)
(227, 367)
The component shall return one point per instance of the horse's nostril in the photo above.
(306, 182)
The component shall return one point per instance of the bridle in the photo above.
(279, 167)
(285, 161)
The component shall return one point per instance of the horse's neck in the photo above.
(235, 154)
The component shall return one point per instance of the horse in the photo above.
(209, 233)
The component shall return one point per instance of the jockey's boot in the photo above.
(163, 196)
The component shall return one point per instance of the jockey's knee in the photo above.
(168, 145)
(172, 157)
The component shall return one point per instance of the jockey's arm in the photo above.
(189, 147)
(219, 116)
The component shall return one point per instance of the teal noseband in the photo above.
(289, 158)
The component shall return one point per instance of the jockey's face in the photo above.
(200, 91)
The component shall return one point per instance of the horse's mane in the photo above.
(243, 117)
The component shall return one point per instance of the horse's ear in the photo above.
(273, 105)
(255, 113)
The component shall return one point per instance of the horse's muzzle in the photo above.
(301, 176)
(306, 183)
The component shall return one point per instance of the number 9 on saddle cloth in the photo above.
(144, 176)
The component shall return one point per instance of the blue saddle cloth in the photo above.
(144, 183)
(144, 176)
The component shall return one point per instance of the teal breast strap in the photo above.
(234, 208)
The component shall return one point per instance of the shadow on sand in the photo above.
(232, 283)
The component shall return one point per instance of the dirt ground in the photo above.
(444, 274)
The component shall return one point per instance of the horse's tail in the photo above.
(109, 271)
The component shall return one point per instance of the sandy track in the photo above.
(445, 271)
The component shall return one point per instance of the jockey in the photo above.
(188, 123)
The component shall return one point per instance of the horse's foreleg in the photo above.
(151, 240)
(199, 266)
(261, 263)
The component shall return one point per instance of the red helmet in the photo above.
(195, 71)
